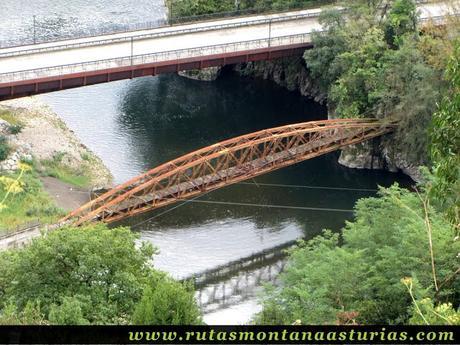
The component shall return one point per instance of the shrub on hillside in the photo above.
(4, 148)
(361, 274)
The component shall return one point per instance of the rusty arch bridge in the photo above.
(225, 163)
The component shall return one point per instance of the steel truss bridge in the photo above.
(225, 163)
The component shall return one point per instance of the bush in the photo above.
(88, 275)
(387, 241)
(167, 302)
(16, 129)
(4, 148)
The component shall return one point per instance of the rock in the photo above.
(205, 74)
(4, 127)
(290, 73)
(360, 157)
(367, 156)
(46, 137)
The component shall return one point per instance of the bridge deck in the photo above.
(225, 163)
(232, 173)
(54, 66)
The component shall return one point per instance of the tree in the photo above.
(373, 66)
(407, 90)
(89, 275)
(445, 144)
(401, 20)
(387, 241)
(166, 302)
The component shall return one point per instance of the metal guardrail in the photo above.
(162, 34)
(123, 28)
(159, 23)
(165, 56)
(154, 57)
(31, 225)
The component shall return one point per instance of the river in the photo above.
(235, 235)
(231, 240)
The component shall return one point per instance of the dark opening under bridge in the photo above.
(225, 163)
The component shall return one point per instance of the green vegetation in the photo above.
(16, 129)
(56, 167)
(8, 116)
(167, 302)
(89, 276)
(26, 201)
(445, 147)
(189, 8)
(4, 148)
(360, 280)
(374, 64)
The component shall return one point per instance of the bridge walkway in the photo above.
(47, 67)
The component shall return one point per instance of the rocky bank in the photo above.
(43, 137)
(293, 74)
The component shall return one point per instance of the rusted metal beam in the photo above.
(225, 163)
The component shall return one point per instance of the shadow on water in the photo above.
(169, 116)
(144, 122)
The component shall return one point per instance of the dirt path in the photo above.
(66, 196)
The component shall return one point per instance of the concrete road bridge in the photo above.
(45, 67)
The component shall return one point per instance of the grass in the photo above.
(30, 204)
(55, 168)
(8, 116)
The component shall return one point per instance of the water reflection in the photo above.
(138, 124)
(169, 116)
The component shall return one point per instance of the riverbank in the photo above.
(60, 172)
(45, 138)
(293, 74)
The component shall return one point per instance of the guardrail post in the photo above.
(35, 38)
(132, 49)
(269, 32)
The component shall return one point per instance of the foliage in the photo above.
(375, 64)
(445, 147)
(387, 241)
(188, 8)
(23, 199)
(425, 313)
(166, 302)
(16, 129)
(89, 275)
(58, 168)
(13, 186)
(8, 116)
(68, 312)
(4, 148)
(30, 315)
(401, 20)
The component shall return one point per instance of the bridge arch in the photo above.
(225, 163)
